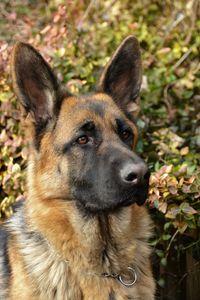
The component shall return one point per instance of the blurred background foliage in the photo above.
(77, 38)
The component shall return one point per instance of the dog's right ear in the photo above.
(34, 83)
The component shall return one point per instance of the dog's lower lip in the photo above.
(127, 202)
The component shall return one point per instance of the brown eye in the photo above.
(125, 134)
(82, 140)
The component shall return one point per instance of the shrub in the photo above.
(78, 39)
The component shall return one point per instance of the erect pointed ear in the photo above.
(121, 78)
(34, 83)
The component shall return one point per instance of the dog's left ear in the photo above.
(121, 78)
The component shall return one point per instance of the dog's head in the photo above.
(83, 146)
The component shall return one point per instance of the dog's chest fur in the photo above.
(52, 276)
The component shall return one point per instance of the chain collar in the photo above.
(132, 277)
(127, 283)
(131, 274)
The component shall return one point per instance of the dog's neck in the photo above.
(102, 243)
(69, 248)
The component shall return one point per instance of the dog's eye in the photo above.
(82, 140)
(125, 134)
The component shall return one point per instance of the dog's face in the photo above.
(83, 146)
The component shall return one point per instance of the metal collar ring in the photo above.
(133, 276)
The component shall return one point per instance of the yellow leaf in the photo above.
(162, 207)
(184, 151)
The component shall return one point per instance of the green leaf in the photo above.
(166, 237)
(163, 261)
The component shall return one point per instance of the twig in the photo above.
(191, 245)
(193, 20)
(190, 272)
(171, 241)
(179, 18)
(181, 60)
(92, 2)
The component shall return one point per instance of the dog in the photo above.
(82, 232)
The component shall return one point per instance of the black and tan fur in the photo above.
(83, 216)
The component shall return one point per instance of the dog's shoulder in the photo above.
(4, 261)
(6, 232)
(10, 230)
(17, 216)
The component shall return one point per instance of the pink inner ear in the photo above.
(38, 100)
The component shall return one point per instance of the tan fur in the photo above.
(58, 253)
(78, 244)
(68, 233)
(21, 285)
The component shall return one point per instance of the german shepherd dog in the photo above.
(83, 231)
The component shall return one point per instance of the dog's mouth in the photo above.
(138, 196)
(112, 206)
(110, 200)
(127, 202)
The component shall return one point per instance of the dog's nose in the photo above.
(134, 174)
